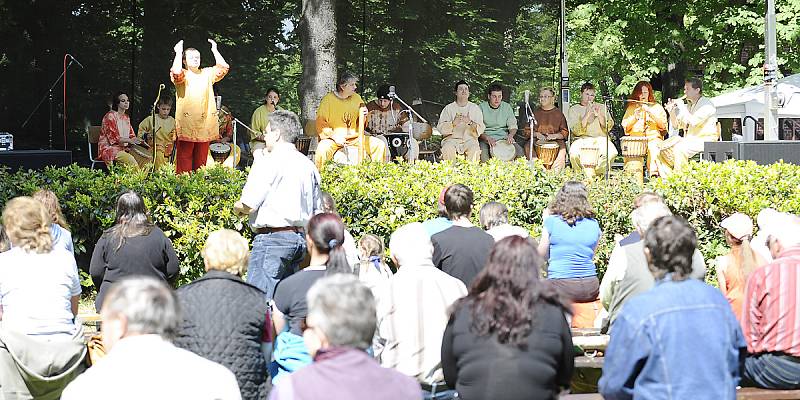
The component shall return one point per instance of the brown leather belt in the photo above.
(269, 229)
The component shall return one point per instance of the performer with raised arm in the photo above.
(196, 111)
(116, 133)
(461, 123)
(590, 123)
(385, 117)
(699, 122)
(337, 123)
(646, 118)
(163, 138)
(260, 119)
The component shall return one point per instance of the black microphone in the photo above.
(76, 60)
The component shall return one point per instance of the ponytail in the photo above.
(326, 230)
(337, 261)
(748, 258)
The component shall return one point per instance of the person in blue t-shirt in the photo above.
(569, 238)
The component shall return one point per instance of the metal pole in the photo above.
(564, 65)
(770, 71)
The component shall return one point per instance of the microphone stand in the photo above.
(531, 120)
(153, 125)
(49, 97)
(411, 112)
(609, 105)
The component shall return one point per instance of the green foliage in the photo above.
(186, 207)
(705, 193)
(378, 198)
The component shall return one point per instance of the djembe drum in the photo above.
(668, 150)
(547, 152)
(589, 156)
(303, 144)
(221, 153)
(141, 154)
(634, 149)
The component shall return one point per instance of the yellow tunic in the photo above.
(336, 115)
(700, 121)
(195, 109)
(645, 124)
(590, 136)
(164, 137)
(260, 119)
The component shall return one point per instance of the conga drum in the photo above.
(421, 130)
(142, 154)
(220, 153)
(634, 149)
(303, 144)
(547, 152)
(589, 156)
(668, 150)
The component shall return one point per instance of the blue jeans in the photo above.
(771, 371)
(439, 394)
(274, 257)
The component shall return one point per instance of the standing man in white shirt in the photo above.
(281, 194)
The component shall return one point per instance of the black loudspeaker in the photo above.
(35, 159)
(762, 152)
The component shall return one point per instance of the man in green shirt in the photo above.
(501, 124)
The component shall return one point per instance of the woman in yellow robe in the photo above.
(645, 117)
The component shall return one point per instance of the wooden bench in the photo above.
(741, 394)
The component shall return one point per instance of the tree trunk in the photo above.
(318, 53)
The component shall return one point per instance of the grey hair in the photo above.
(644, 216)
(148, 305)
(287, 123)
(345, 77)
(493, 214)
(343, 308)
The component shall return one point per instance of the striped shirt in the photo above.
(770, 315)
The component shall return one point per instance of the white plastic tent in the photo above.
(749, 101)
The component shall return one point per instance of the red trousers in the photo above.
(190, 156)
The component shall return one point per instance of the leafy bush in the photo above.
(187, 207)
(378, 198)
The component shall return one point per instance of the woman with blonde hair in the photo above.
(734, 267)
(225, 319)
(371, 269)
(39, 292)
(59, 229)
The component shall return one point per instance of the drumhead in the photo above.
(219, 147)
(503, 150)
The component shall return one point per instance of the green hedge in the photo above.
(378, 198)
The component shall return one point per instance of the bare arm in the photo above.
(176, 62)
(217, 56)
(74, 304)
(278, 320)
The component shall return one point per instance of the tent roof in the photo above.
(750, 100)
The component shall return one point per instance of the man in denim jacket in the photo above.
(680, 339)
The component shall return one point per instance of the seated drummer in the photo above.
(260, 119)
(386, 116)
(165, 133)
(116, 134)
(590, 123)
(550, 126)
(461, 123)
(225, 120)
(500, 122)
(644, 117)
(337, 123)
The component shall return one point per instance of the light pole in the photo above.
(770, 72)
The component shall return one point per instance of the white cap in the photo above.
(738, 225)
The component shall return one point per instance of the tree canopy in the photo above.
(421, 46)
